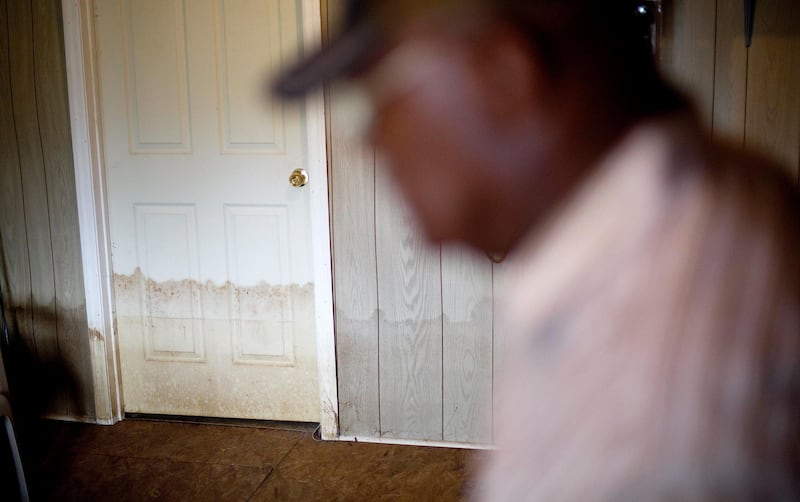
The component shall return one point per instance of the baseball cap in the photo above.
(367, 26)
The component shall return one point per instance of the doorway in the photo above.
(221, 277)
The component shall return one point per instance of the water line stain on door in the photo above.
(224, 331)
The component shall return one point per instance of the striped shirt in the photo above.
(654, 333)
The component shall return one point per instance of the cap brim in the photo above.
(344, 55)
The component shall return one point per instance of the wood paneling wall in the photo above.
(748, 96)
(49, 360)
(687, 51)
(414, 321)
(772, 107)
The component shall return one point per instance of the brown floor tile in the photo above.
(188, 442)
(139, 460)
(99, 478)
(366, 472)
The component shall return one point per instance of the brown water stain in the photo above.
(188, 297)
(202, 348)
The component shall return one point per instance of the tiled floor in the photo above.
(146, 460)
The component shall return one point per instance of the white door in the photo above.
(211, 244)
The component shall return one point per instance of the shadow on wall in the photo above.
(39, 383)
(38, 387)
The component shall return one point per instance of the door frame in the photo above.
(95, 238)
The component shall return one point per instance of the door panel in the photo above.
(211, 245)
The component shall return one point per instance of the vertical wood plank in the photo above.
(467, 345)
(410, 322)
(352, 191)
(730, 73)
(773, 83)
(500, 332)
(688, 50)
(53, 111)
(15, 276)
(355, 281)
(42, 340)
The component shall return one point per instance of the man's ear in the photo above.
(511, 76)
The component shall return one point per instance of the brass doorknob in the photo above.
(298, 178)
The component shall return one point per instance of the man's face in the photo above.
(432, 124)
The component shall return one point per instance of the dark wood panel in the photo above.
(688, 50)
(54, 121)
(43, 335)
(773, 83)
(730, 73)
(16, 282)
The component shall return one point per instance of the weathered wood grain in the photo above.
(54, 123)
(15, 276)
(467, 345)
(43, 338)
(410, 320)
(730, 73)
(773, 83)
(688, 50)
(352, 175)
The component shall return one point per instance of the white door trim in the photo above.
(87, 145)
(90, 185)
(321, 236)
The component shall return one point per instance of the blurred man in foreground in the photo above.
(654, 310)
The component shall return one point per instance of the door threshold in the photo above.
(280, 425)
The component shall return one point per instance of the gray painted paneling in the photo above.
(352, 181)
(410, 320)
(467, 345)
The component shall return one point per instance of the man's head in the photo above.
(489, 111)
